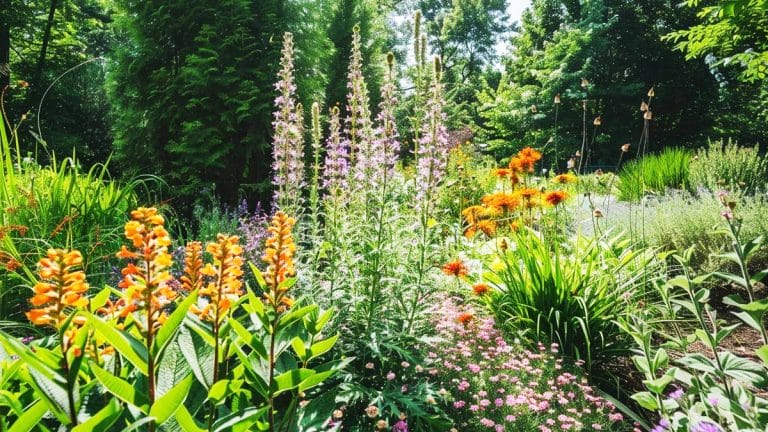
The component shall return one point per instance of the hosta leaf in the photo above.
(120, 388)
(128, 346)
(102, 420)
(165, 406)
(31, 417)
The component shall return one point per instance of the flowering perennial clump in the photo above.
(497, 386)
(225, 273)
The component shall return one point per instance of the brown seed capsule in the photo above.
(643, 106)
(648, 115)
(651, 93)
(625, 148)
(598, 121)
(557, 98)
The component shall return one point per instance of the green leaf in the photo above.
(30, 418)
(164, 407)
(168, 329)
(646, 400)
(120, 388)
(762, 352)
(247, 416)
(102, 420)
(318, 324)
(53, 393)
(139, 425)
(658, 385)
(129, 347)
(319, 348)
(99, 299)
(290, 380)
(186, 421)
(743, 370)
(253, 340)
(258, 275)
(298, 347)
(197, 354)
(315, 379)
(223, 389)
(660, 359)
(295, 315)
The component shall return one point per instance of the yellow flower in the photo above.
(565, 178)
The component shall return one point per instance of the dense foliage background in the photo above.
(185, 92)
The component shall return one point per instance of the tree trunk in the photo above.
(43, 50)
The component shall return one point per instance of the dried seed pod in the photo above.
(597, 121)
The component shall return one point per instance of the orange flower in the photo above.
(501, 172)
(465, 318)
(529, 153)
(565, 178)
(456, 268)
(278, 254)
(501, 200)
(480, 289)
(555, 197)
(193, 264)
(224, 290)
(60, 291)
(145, 283)
(472, 214)
(528, 193)
(488, 227)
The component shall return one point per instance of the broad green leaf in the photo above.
(295, 315)
(99, 299)
(53, 393)
(658, 385)
(14, 346)
(258, 275)
(186, 421)
(318, 324)
(762, 352)
(168, 329)
(315, 379)
(164, 407)
(290, 380)
(299, 349)
(31, 417)
(120, 388)
(253, 340)
(247, 416)
(742, 369)
(128, 346)
(139, 425)
(660, 359)
(223, 389)
(319, 348)
(646, 400)
(197, 355)
(102, 420)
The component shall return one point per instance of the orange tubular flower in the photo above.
(193, 264)
(227, 271)
(456, 268)
(60, 290)
(278, 254)
(145, 282)
(554, 198)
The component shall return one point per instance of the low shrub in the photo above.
(654, 173)
(727, 166)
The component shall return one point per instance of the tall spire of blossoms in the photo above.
(433, 144)
(288, 142)
(336, 164)
(359, 127)
(386, 146)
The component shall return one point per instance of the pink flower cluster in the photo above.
(499, 386)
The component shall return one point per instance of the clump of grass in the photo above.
(654, 174)
(727, 166)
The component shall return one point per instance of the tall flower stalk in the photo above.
(278, 255)
(146, 291)
(359, 127)
(60, 293)
(288, 142)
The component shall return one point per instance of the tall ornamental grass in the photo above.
(654, 174)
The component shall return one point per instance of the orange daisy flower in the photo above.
(480, 289)
(456, 268)
(565, 178)
(465, 318)
(554, 198)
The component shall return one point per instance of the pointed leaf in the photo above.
(762, 352)
(31, 417)
(290, 380)
(128, 346)
(168, 329)
(120, 388)
(321, 347)
(247, 416)
(164, 407)
(646, 400)
(102, 420)
(197, 355)
(251, 339)
(186, 421)
(315, 379)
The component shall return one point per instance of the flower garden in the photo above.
(391, 286)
